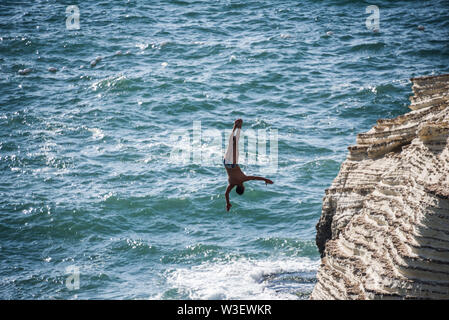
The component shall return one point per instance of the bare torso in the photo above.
(236, 175)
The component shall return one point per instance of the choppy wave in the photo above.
(270, 279)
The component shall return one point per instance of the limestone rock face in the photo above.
(384, 227)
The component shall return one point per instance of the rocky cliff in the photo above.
(384, 227)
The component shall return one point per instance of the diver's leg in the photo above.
(229, 155)
(232, 153)
(236, 146)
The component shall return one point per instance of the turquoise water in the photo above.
(85, 177)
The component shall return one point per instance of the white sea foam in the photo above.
(97, 134)
(142, 46)
(238, 279)
(108, 82)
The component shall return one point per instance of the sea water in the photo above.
(91, 207)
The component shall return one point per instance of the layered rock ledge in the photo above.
(384, 227)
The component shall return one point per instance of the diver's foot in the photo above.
(238, 123)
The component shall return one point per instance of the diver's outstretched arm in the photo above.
(267, 181)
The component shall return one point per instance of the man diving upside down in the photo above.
(236, 177)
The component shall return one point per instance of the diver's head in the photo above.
(240, 189)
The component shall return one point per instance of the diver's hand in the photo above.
(228, 206)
